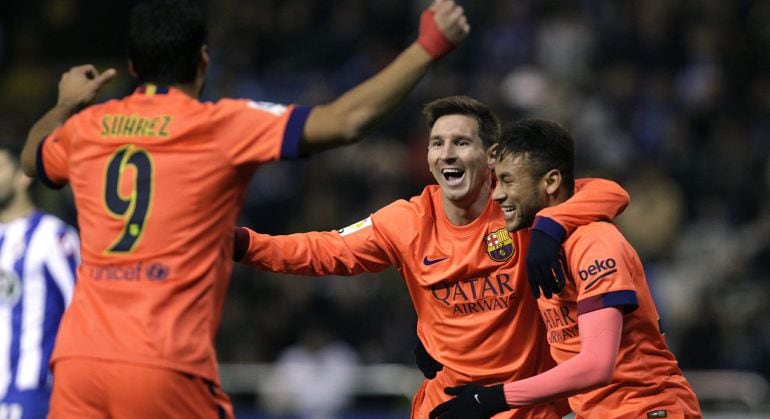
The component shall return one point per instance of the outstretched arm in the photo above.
(345, 120)
(313, 253)
(78, 87)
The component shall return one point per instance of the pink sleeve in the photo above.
(600, 332)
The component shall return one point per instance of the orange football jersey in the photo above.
(605, 271)
(476, 314)
(158, 179)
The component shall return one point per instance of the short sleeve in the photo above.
(259, 132)
(602, 265)
(53, 158)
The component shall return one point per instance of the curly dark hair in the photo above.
(165, 41)
(546, 145)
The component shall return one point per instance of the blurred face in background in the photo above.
(458, 160)
(12, 180)
(520, 194)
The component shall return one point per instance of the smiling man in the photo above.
(464, 272)
(603, 328)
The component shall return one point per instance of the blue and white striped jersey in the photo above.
(38, 258)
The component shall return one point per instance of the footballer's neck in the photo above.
(464, 211)
(21, 206)
(559, 197)
(193, 90)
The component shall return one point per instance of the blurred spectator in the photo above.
(315, 377)
(38, 258)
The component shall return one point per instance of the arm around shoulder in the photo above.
(594, 200)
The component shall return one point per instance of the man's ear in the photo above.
(132, 70)
(552, 181)
(492, 155)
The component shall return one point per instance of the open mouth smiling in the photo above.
(508, 212)
(453, 176)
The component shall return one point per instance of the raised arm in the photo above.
(594, 200)
(313, 253)
(345, 120)
(78, 87)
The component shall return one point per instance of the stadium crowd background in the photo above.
(669, 98)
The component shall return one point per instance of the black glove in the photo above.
(473, 401)
(425, 362)
(544, 270)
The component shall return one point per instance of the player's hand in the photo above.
(79, 86)
(473, 401)
(442, 27)
(544, 270)
(427, 364)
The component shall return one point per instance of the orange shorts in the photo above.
(94, 388)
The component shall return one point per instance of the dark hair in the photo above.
(546, 146)
(489, 126)
(165, 41)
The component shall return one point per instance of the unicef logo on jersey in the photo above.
(10, 288)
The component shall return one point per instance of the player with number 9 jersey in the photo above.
(157, 187)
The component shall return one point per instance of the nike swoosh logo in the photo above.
(476, 396)
(429, 262)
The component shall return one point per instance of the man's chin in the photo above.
(454, 193)
(513, 226)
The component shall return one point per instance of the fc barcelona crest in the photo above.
(499, 245)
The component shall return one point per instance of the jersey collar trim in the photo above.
(150, 89)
